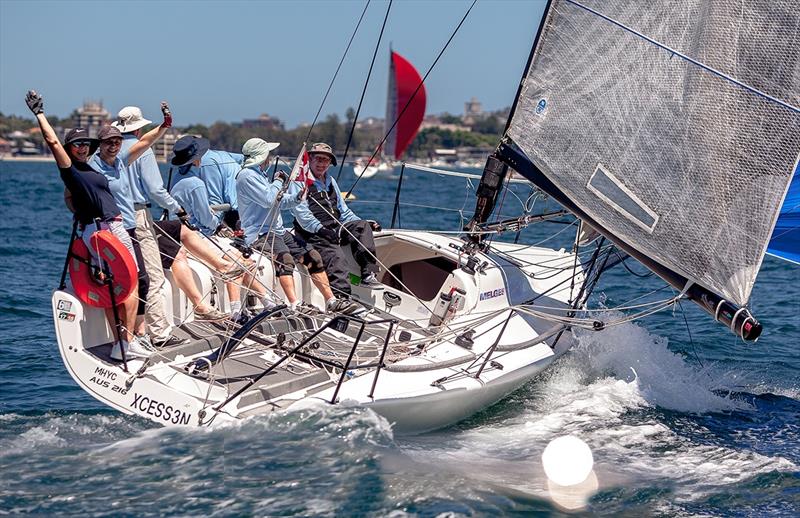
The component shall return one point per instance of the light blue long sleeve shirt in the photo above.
(306, 219)
(218, 170)
(191, 193)
(147, 184)
(257, 197)
(119, 182)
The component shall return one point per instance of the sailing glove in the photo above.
(328, 234)
(167, 115)
(376, 227)
(184, 217)
(35, 102)
(281, 175)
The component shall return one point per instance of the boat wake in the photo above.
(641, 408)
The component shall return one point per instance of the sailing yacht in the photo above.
(405, 109)
(672, 137)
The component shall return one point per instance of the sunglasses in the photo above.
(81, 143)
(322, 159)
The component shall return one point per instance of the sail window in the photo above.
(609, 189)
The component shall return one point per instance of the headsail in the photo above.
(403, 82)
(675, 131)
(785, 242)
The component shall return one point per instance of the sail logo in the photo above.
(492, 294)
(541, 106)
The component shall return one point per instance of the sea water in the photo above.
(682, 417)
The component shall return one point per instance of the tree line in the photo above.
(484, 132)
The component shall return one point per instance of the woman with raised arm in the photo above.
(88, 195)
(112, 161)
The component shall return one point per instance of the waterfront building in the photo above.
(263, 122)
(91, 116)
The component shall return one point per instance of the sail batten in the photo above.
(676, 130)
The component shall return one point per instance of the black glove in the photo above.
(376, 227)
(328, 234)
(35, 102)
(184, 217)
(167, 115)
(281, 175)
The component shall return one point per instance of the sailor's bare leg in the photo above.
(320, 280)
(234, 293)
(127, 316)
(182, 274)
(287, 283)
(140, 325)
(202, 250)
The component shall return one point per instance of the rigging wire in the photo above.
(689, 332)
(408, 103)
(364, 91)
(333, 79)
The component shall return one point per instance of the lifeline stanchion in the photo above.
(109, 281)
(63, 283)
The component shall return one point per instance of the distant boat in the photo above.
(405, 109)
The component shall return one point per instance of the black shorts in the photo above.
(168, 233)
(288, 242)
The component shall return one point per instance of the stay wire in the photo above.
(689, 332)
(333, 79)
(364, 91)
(411, 98)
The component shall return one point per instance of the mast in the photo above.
(391, 110)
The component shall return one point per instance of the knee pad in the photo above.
(284, 264)
(314, 262)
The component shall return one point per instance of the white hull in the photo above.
(419, 389)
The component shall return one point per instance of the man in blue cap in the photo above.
(189, 188)
(218, 170)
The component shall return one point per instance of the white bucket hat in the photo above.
(130, 119)
(256, 151)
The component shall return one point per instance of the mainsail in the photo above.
(404, 81)
(785, 242)
(671, 127)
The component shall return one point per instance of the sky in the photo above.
(225, 61)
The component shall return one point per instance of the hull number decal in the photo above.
(166, 413)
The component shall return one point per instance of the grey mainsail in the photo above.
(674, 125)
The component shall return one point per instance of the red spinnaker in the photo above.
(403, 82)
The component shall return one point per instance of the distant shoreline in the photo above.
(35, 158)
(30, 158)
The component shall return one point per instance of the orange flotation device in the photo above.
(120, 262)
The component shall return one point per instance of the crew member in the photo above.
(263, 225)
(114, 164)
(325, 221)
(146, 184)
(88, 195)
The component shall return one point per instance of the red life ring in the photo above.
(120, 261)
